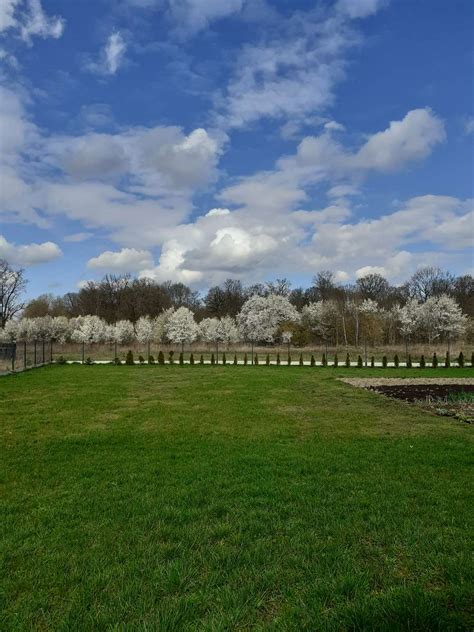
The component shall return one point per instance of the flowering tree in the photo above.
(320, 317)
(218, 330)
(441, 317)
(409, 320)
(261, 317)
(145, 331)
(181, 327)
(88, 329)
(161, 323)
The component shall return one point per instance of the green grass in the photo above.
(230, 498)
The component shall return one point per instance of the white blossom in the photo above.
(261, 317)
(88, 329)
(181, 327)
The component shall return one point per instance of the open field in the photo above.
(230, 498)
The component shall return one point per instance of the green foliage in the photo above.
(313, 361)
(461, 359)
(151, 359)
(289, 360)
(255, 359)
(161, 358)
(472, 358)
(360, 364)
(409, 362)
(61, 360)
(129, 358)
(348, 360)
(117, 361)
(422, 362)
(224, 359)
(191, 359)
(434, 362)
(141, 359)
(246, 360)
(372, 362)
(235, 359)
(447, 361)
(267, 360)
(88, 361)
(213, 359)
(171, 357)
(336, 361)
(301, 360)
(324, 361)
(201, 360)
(384, 362)
(278, 359)
(181, 359)
(396, 361)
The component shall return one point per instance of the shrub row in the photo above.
(324, 361)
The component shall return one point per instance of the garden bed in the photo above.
(444, 396)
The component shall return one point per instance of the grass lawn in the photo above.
(230, 498)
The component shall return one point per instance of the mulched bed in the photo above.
(418, 392)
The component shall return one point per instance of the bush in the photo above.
(447, 361)
(313, 361)
(336, 361)
(348, 360)
(255, 359)
(61, 360)
(213, 360)
(201, 360)
(161, 358)
(235, 359)
(129, 358)
(151, 359)
(117, 361)
(191, 359)
(289, 360)
(396, 361)
(224, 359)
(422, 362)
(360, 364)
(267, 360)
(472, 358)
(171, 357)
(181, 359)
(409, 362)
(246, 360)
(141, 359)
(384, 362)
(324, 361)
(278, 359)
(88, 361)
(461, 359)
(372, 361)
(301, 360)
(434, 362)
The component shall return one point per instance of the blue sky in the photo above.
(196, 140)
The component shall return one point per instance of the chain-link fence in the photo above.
(25, 355)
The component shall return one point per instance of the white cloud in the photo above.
(359, 8)
(28, 254)
(27, 19)
(195, 15)
(111, 57)
(334, 126)
(78, 237)
(125, 260)
(469, 126)
(215, 212)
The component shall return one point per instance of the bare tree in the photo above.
(373, 286)
(430, 281)
(12, 287)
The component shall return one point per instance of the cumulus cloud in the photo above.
(27, 19)
(28, 254)
(125, 260)
(195, 15)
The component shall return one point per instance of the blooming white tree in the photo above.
(218, 330)
(261, 317)
(441, 317)
(409, 320)
(11, 331)
(160, 324)
(88, 330)
(181, 327)
(124, 332)
(320, 317)
(60, 329)
(145, 331)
